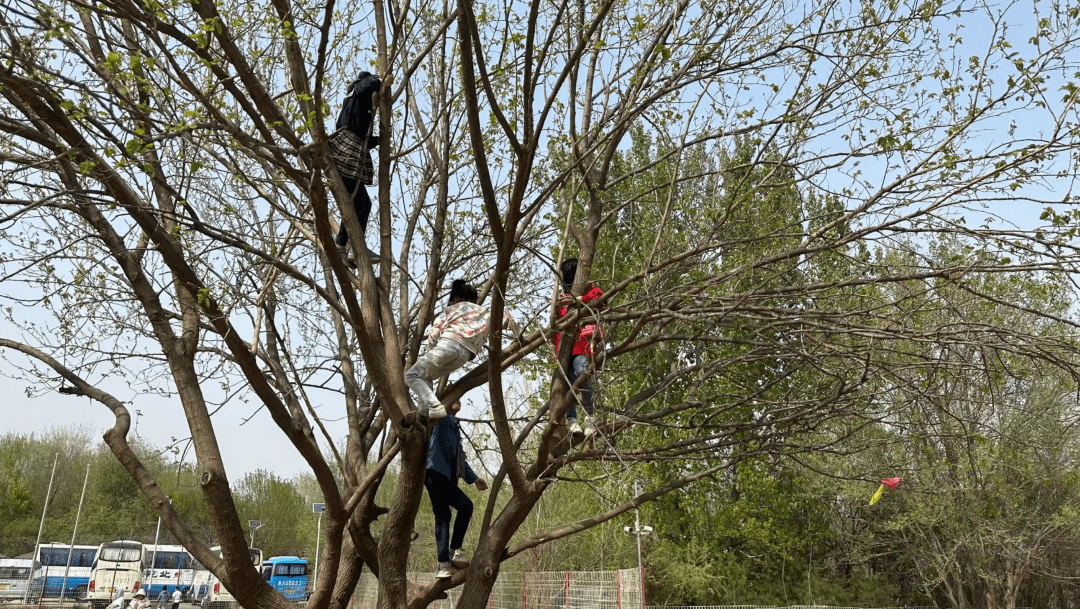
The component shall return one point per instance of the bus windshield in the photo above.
(120, 554)
(290, 569)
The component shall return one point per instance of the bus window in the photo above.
(14, 572)
(82, 558)
(54, 557)
(114, 554)
(291, 569)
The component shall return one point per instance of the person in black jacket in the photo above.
(350, 147)
(445, 464)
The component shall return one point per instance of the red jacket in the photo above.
(583, 346)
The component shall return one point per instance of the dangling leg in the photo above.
(439, 491)
(444, 358)
(578, 365)
(362, 208)
(464, 506)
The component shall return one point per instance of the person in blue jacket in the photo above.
(445, 464)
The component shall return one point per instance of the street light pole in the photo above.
(153, 555)
(41, 528)
(637, 530)
(254, 525)
(318, 508)
(74, 531)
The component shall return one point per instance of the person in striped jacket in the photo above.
(455, 337)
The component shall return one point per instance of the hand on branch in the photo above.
(386, 85)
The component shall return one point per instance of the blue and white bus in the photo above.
(118, 568)
(170, 567)
(14, 574)
(288, 574)
(62, 571)
(213, 594)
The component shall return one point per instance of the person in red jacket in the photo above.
(583, 347)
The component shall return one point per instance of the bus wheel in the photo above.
(80, 594)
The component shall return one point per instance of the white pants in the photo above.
(442, 359)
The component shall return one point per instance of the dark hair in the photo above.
(461, 290)
(568, 270)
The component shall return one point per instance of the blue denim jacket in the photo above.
(444, 450)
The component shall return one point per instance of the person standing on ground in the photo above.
(162, 597)
(455, 337)
(139, 602)
(445, 464)
(177, 596)
(582, 354)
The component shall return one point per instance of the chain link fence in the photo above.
(781, 607)
(538, 590)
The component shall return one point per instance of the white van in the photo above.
(14, 575)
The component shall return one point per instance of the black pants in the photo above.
(445, 495)
(362, 206)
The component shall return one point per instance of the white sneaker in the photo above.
(459, 560)
(590, 427)
(438, 412)
(445, 570)
(574, 427)
(346, 256)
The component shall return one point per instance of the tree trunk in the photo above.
(358, 548)
(488, 556)
(396, 535)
